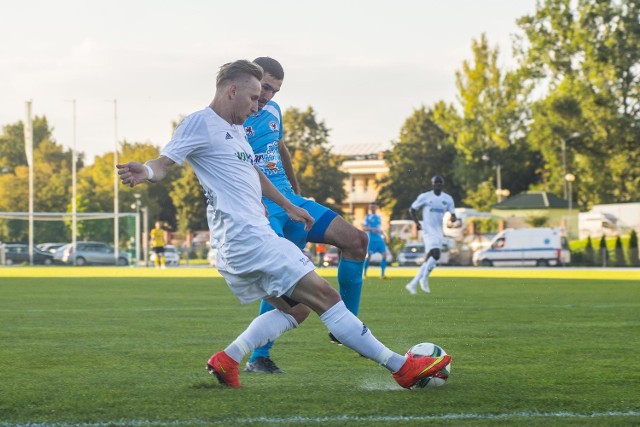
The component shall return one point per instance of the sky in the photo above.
(363, 66)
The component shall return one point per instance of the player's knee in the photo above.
(300, 312)
(435, 254)
(362, 243)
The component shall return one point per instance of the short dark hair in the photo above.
(233, 70)
(271, 66)
(437, 178)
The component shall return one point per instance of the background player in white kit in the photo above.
(434, 205)
(255, 262)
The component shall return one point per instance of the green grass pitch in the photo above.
(89, 350)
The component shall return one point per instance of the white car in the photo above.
(171, 255)
(413, 253)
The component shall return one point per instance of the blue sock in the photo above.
(383, 265)
(264, 350)
(366, 265)
(350, 281)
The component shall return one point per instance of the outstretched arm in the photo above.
(295, 213)
(134, 173)
(287, 164)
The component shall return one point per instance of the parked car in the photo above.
(49, 247)
(414, 253)
(18, 253)
(171, 255)
(90, 253)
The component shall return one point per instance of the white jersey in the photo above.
(223, 161)
(254, 261)
(433, 209)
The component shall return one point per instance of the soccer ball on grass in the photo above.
(431, 350)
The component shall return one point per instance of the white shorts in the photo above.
(259, 263)
(432, 241)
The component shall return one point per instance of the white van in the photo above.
(525, 247)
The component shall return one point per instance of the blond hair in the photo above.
(234, 70)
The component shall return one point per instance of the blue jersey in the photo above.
(264, 131)
(376, 242)
(373, 221)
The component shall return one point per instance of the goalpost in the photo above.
(84, 216)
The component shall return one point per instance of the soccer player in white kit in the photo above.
(255, 262)
(434, 205)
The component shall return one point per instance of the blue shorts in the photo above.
(376, 245)
(294, 231)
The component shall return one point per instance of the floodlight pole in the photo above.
(564, 160)
(74, 180)
(138, 203)
(145, 232)
(28, 141)
(116, 223)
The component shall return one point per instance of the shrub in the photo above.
(604, 255)
(537, 221)
(633, 249)
(588, 252)
(620, 261)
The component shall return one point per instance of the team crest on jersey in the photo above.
(228, 136)
(273, 126)
(304, 260)
(249, 130)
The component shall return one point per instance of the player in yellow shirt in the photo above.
(158, 240)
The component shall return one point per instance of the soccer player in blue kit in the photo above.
(372, 225)
(264, 132)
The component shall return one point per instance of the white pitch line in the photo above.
(307, 420)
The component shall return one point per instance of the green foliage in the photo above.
(489, 134)
(51, 182)
(483, 225)
(189, 201)
(317, 170)
(422, 152)
(588, 252)
(482, 197)
(537, 220)
(100, 335)
(620, 261)
(584, 56)
(633, 249)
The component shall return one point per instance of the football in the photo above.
(431, 350)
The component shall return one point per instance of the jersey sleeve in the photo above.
(418, 203)
(452, 207)
(189, 135)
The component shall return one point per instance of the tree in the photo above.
(584, 58)
(96, 193)
(620, 261)
(604, 254)
(317, 170)
(588, 252)
(490, 132)
(633, 249)
(52, 178)
(189, 201)
(422, 151)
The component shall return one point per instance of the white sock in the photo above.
(354, 334)
(429, 266)
(422, 271)
(264, 328)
